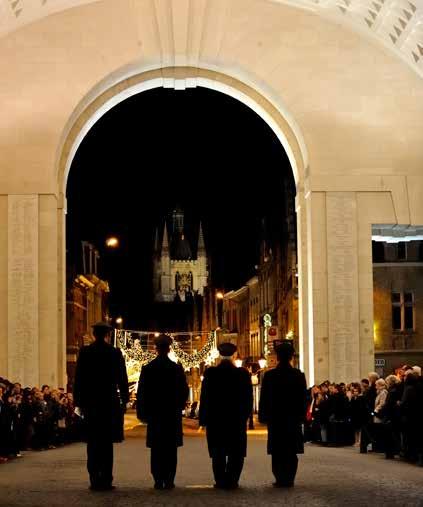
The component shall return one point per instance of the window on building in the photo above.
(402, 251)
(378, 251)
(408, 310)
(402, 311)
(396, 311)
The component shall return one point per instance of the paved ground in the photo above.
(327, 477)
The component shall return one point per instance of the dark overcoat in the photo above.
(283, 403)
(101, 391)
(226, 403)
(161, 397)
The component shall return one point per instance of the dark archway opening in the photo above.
(221, 164)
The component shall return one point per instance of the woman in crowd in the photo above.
(391, 417)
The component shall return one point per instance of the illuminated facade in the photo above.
(177, 273)
(398, 304)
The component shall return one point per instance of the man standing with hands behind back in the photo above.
(101, 394)
(283, 402)
(161, 397)
(225, 405)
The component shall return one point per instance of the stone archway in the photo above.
(179, 78)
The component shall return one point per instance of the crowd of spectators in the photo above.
(376, 414)
(34, 419)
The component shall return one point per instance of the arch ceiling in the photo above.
(397, 24)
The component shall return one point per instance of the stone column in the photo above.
(343, 307)
(61, 292)
(23, 298)
(317, 300)
(51, 340)
(302, 283)
(339, 305)
(4, 218)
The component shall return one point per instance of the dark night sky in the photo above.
(198, 149)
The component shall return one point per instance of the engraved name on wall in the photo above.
(23, 288)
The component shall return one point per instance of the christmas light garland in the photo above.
(133, 351)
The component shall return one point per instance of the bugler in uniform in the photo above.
(101, 394)
(225, 406)
(161, 397)
(283, 402)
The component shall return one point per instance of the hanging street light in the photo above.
(112, 242)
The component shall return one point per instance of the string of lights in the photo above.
(131, 345)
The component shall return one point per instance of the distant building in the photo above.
(278, 294)
(398, 304)
(236, 318)
(86, 303)
(256, 345)
(178, 273)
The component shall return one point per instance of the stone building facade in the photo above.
(178, 273)
(398, 304)
(236, 318)
(86, 304)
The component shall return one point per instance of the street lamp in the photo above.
(238, 362)
(262, 363)
(112, 242)
(219, 308)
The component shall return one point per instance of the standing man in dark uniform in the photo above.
(225, 405)
(161, 397)
(283, 402)
(101, 394)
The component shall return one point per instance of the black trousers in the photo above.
(100, 461)
(227, 469)
(163, 464)
(284, 468)
(366, 436)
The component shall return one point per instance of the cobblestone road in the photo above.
(327, 477)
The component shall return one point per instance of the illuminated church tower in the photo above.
(177, 273)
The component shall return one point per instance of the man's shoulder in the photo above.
(290, 372)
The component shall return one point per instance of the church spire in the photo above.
(165, 242)
(201, 244)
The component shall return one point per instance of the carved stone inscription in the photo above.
(23, 289)
(343, 311)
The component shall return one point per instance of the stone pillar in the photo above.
(343, 307)
(51, 342)
(317, 300)
(336, 284)
(23, 298)
(4, 218)
(302, 283)
(61, 292)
